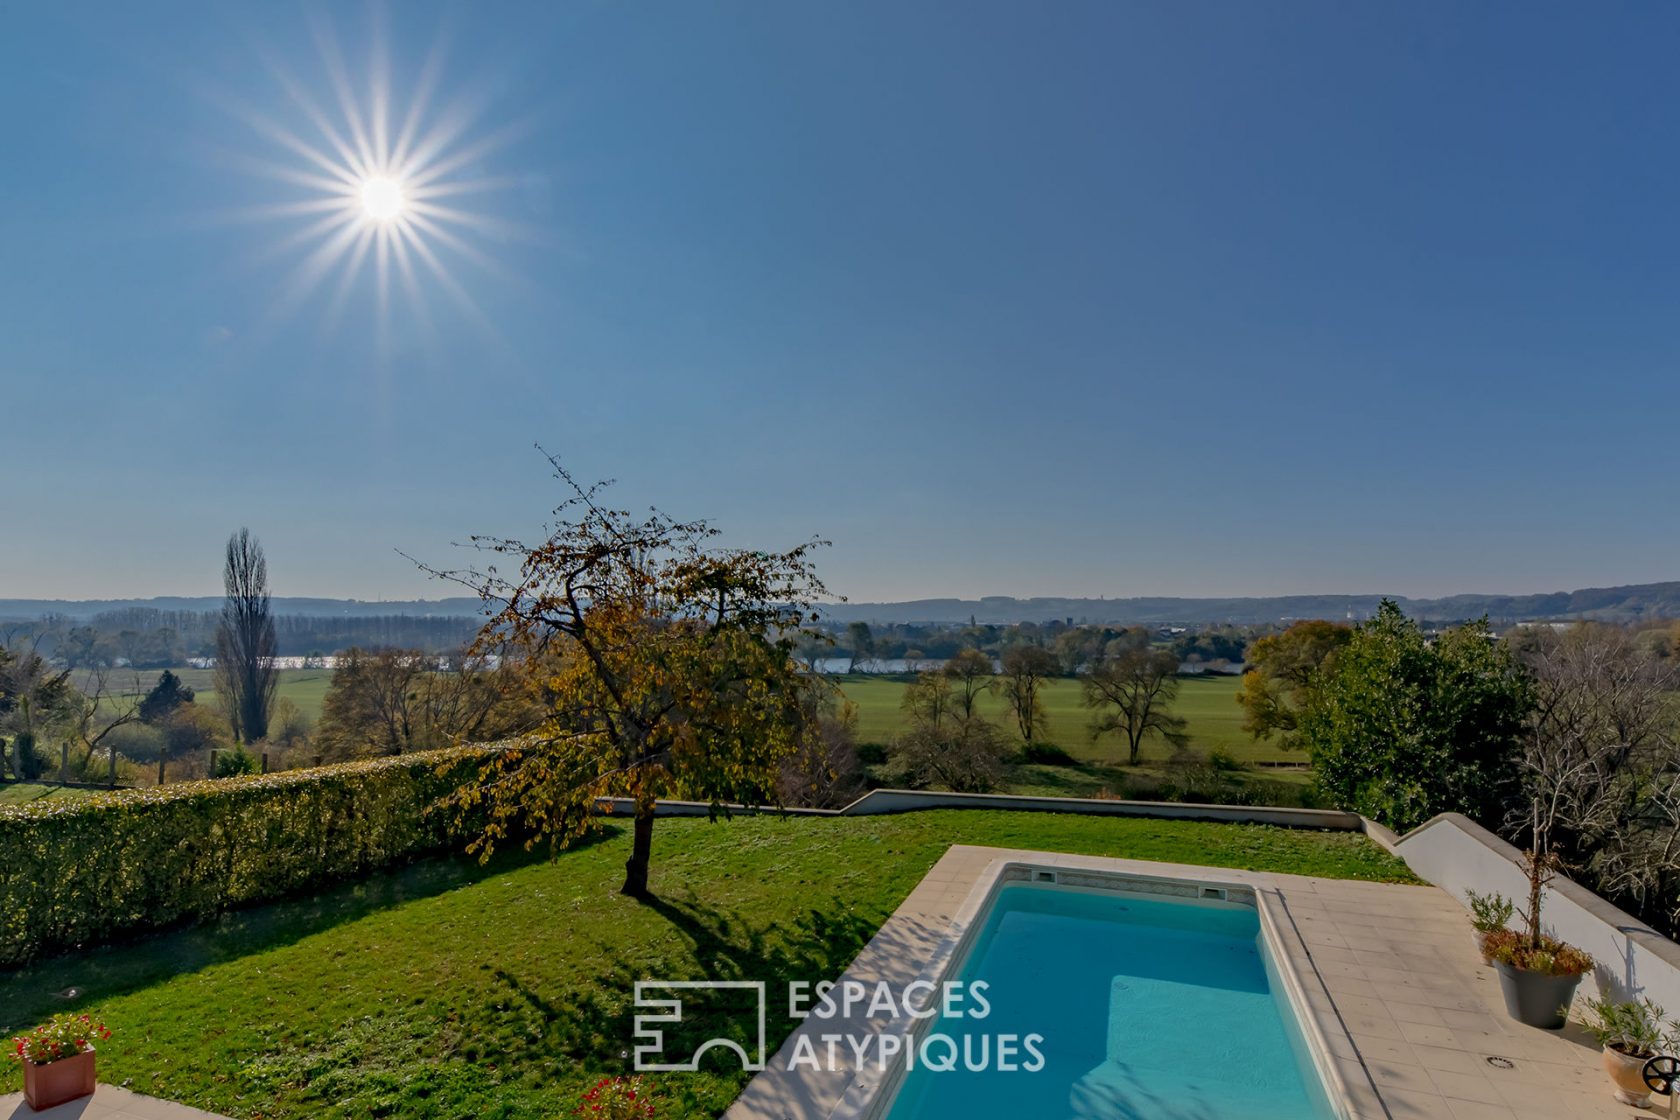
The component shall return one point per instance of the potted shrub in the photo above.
(1632, 1033)
(1538, 974)
(1489, 914)
(58, 1058)
(617, 1098)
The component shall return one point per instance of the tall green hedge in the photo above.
(75, 872)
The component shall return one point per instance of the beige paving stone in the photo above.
(109, 1102)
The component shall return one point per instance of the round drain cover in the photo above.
(1497, 1062)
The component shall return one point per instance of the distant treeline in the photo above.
(148, 638)
(1072, 645)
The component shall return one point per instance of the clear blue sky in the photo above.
(1003, 298)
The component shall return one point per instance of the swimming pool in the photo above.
(1150, 1008)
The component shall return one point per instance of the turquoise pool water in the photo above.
(1150, 1010)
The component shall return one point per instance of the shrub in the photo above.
(1046, 754)
(1290, 795)
(1490, 913)
(1224, 761)
(138, 741)
(1638, 1029)
(871, 754)
(85, 870)
(27, 758)
(192, 730)
(235, 763)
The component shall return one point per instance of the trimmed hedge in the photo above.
(74, 872)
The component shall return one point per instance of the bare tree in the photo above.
(962, 753)
(1025, 669)
(1132, 692)
(246, 675)
(372, 704)
(1601, 764)
(971, 672)
(397, 700)
(824, 772)
(946, 742)
(96, 709)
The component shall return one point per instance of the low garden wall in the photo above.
(878, 801)
(79, 871)
(1633, 960)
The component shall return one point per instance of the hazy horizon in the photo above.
(1090, 299)
(435, 595)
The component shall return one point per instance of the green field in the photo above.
(1208, 703)
(306, 688)
(451, 989)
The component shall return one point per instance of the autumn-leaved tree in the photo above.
(667, 667)
(1281, 670)
(1132, 691)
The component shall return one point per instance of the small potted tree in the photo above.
(58, 1059)
(1538, 974)
(1632, 1033)
(1489, 914)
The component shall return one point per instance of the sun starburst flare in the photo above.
(375, 190)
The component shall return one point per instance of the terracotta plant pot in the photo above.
(1537, 999)
(1628, 1076)
(57, 1082)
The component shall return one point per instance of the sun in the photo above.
(378, 179)
(383, 199)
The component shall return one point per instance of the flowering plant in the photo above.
(617, 1098)
(62, 1036)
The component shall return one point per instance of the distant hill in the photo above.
(1615, 604)
(361, 608)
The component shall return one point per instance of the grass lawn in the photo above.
(454, 990)
(22, 793)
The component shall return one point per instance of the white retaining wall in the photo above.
(1634, 961)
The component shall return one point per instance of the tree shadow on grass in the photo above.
(69, 980)
(593, 1028)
